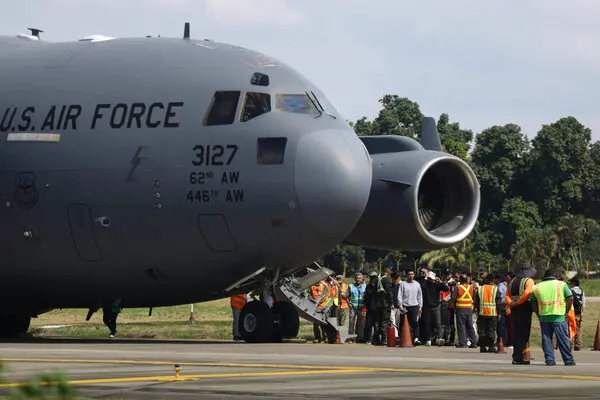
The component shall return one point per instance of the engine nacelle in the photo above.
(420, 199)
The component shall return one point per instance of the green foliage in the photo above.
(455, 140)
(42, 386)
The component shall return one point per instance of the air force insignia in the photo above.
(26, 194)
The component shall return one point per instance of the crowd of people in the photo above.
(458, 310)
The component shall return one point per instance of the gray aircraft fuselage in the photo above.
(113, 186)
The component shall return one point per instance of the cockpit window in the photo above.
(255, 104)
(296, 103)
(222, 108)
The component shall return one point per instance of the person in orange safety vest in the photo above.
(342, 300)
(487, 304)
(237, 303)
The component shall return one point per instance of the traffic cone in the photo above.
(527, 353)
(405, 336)
(337, 338)
(500, 347)
(597, 340)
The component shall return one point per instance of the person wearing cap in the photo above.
(373, 309)
(432, 309)
(517, 299)
(343, 303)
(357, 294)
(551, 300)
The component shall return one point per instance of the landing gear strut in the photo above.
(12, 325)
(261, 323)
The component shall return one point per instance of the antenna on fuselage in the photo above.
(186, 31)
(35, 32)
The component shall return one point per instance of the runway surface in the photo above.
(128, 369)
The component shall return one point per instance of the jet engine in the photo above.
(420, 199)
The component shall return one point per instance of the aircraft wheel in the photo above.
(14, 325)
(287, 316)
(256, 323)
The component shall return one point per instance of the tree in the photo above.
(455, 140)
(351, 258)
(453, 256)
(399, 116)
(558, 168)
(497, 159)
(518, 219)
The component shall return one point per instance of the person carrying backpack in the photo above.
(578, 305)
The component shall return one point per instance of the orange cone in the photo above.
(405, 336)
(597, 340)
(337, 337)
(500, 347)
(527, 353)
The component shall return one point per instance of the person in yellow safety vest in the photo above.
(551, 301)
(237, 303)
(319, 292)
(463, 305)
(487, 304)
(517, 300)
(342, 300)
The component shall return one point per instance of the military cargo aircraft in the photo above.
(147, 172)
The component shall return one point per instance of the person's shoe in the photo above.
(428, 343)
(461, 346)
(577, 348)
(417, 342)
(508, 347)
(441, 342)
(522, 362)
(550, 364)
(570, 364)
(473, 346)
(483, 350)
(316, 341)
(449, 344)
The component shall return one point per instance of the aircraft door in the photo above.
(82, 232)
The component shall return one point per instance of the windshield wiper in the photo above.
(315, 105)
(322, 108)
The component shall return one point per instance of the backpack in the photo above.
(577, 300)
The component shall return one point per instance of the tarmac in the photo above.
(144, 369)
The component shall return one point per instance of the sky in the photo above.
(528, 62)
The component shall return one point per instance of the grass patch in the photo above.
(591, 287)
(213, 322)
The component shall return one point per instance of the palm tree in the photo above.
(453, 256)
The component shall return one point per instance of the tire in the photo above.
(14, 325)
(256, 323)
(286, 315)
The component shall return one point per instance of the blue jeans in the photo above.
(561, 329)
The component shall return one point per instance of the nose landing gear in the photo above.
(14, 325)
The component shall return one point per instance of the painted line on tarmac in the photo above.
(171, 378)
(487, 373)
(311, 369)
(182, 363)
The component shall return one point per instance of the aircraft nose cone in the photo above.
(332, 178)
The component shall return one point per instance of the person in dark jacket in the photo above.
(373, 309)
(432, 308)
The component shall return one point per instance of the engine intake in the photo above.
(419, 200)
